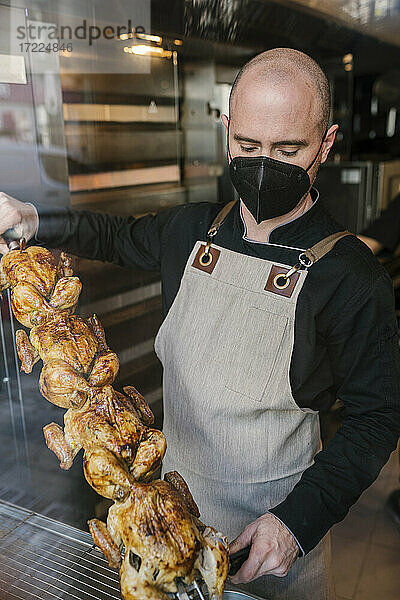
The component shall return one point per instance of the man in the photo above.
(252, 349)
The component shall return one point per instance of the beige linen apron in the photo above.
(233, 428)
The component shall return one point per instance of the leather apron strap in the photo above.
(324, 246)
(206, 258)
(220, 218)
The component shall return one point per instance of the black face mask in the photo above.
(269, 188)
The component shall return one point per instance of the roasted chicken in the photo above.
(164, 541)
(157, 522)
(38, 284)
(113, 430)
(73, 350)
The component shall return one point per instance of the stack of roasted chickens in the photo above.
(156, 522)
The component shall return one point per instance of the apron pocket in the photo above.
(248, 358)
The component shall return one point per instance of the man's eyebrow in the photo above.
(290, 143)
(242, 138)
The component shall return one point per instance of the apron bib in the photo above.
(233, 428)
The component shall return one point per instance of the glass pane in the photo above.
(104, 136)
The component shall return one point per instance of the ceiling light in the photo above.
(143, 50)
(142, 36)
(150, 38)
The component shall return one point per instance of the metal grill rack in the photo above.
(42, 558)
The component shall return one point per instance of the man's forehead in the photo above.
(275, 114)
(270, 128)
(275, 98)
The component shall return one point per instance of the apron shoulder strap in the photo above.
(220, 218)
(324, 246)
(315, 253)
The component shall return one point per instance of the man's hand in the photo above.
(16, 215)
(273, 549)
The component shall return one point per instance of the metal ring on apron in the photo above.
(286, 281)
(206, 258)
(207, 254)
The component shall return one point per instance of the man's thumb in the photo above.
(242, 541)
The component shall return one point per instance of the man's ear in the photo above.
(329, 140)
(225, 120)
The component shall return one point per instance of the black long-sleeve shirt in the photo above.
(386, 228)
(345, 346)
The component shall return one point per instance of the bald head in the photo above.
(285, 69)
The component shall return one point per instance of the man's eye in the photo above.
(247, 149)
(285, 153)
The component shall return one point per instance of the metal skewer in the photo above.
(182, 593)
(200, 593)
(189, 592)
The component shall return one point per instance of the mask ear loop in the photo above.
(319, 150)
(227, 141)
